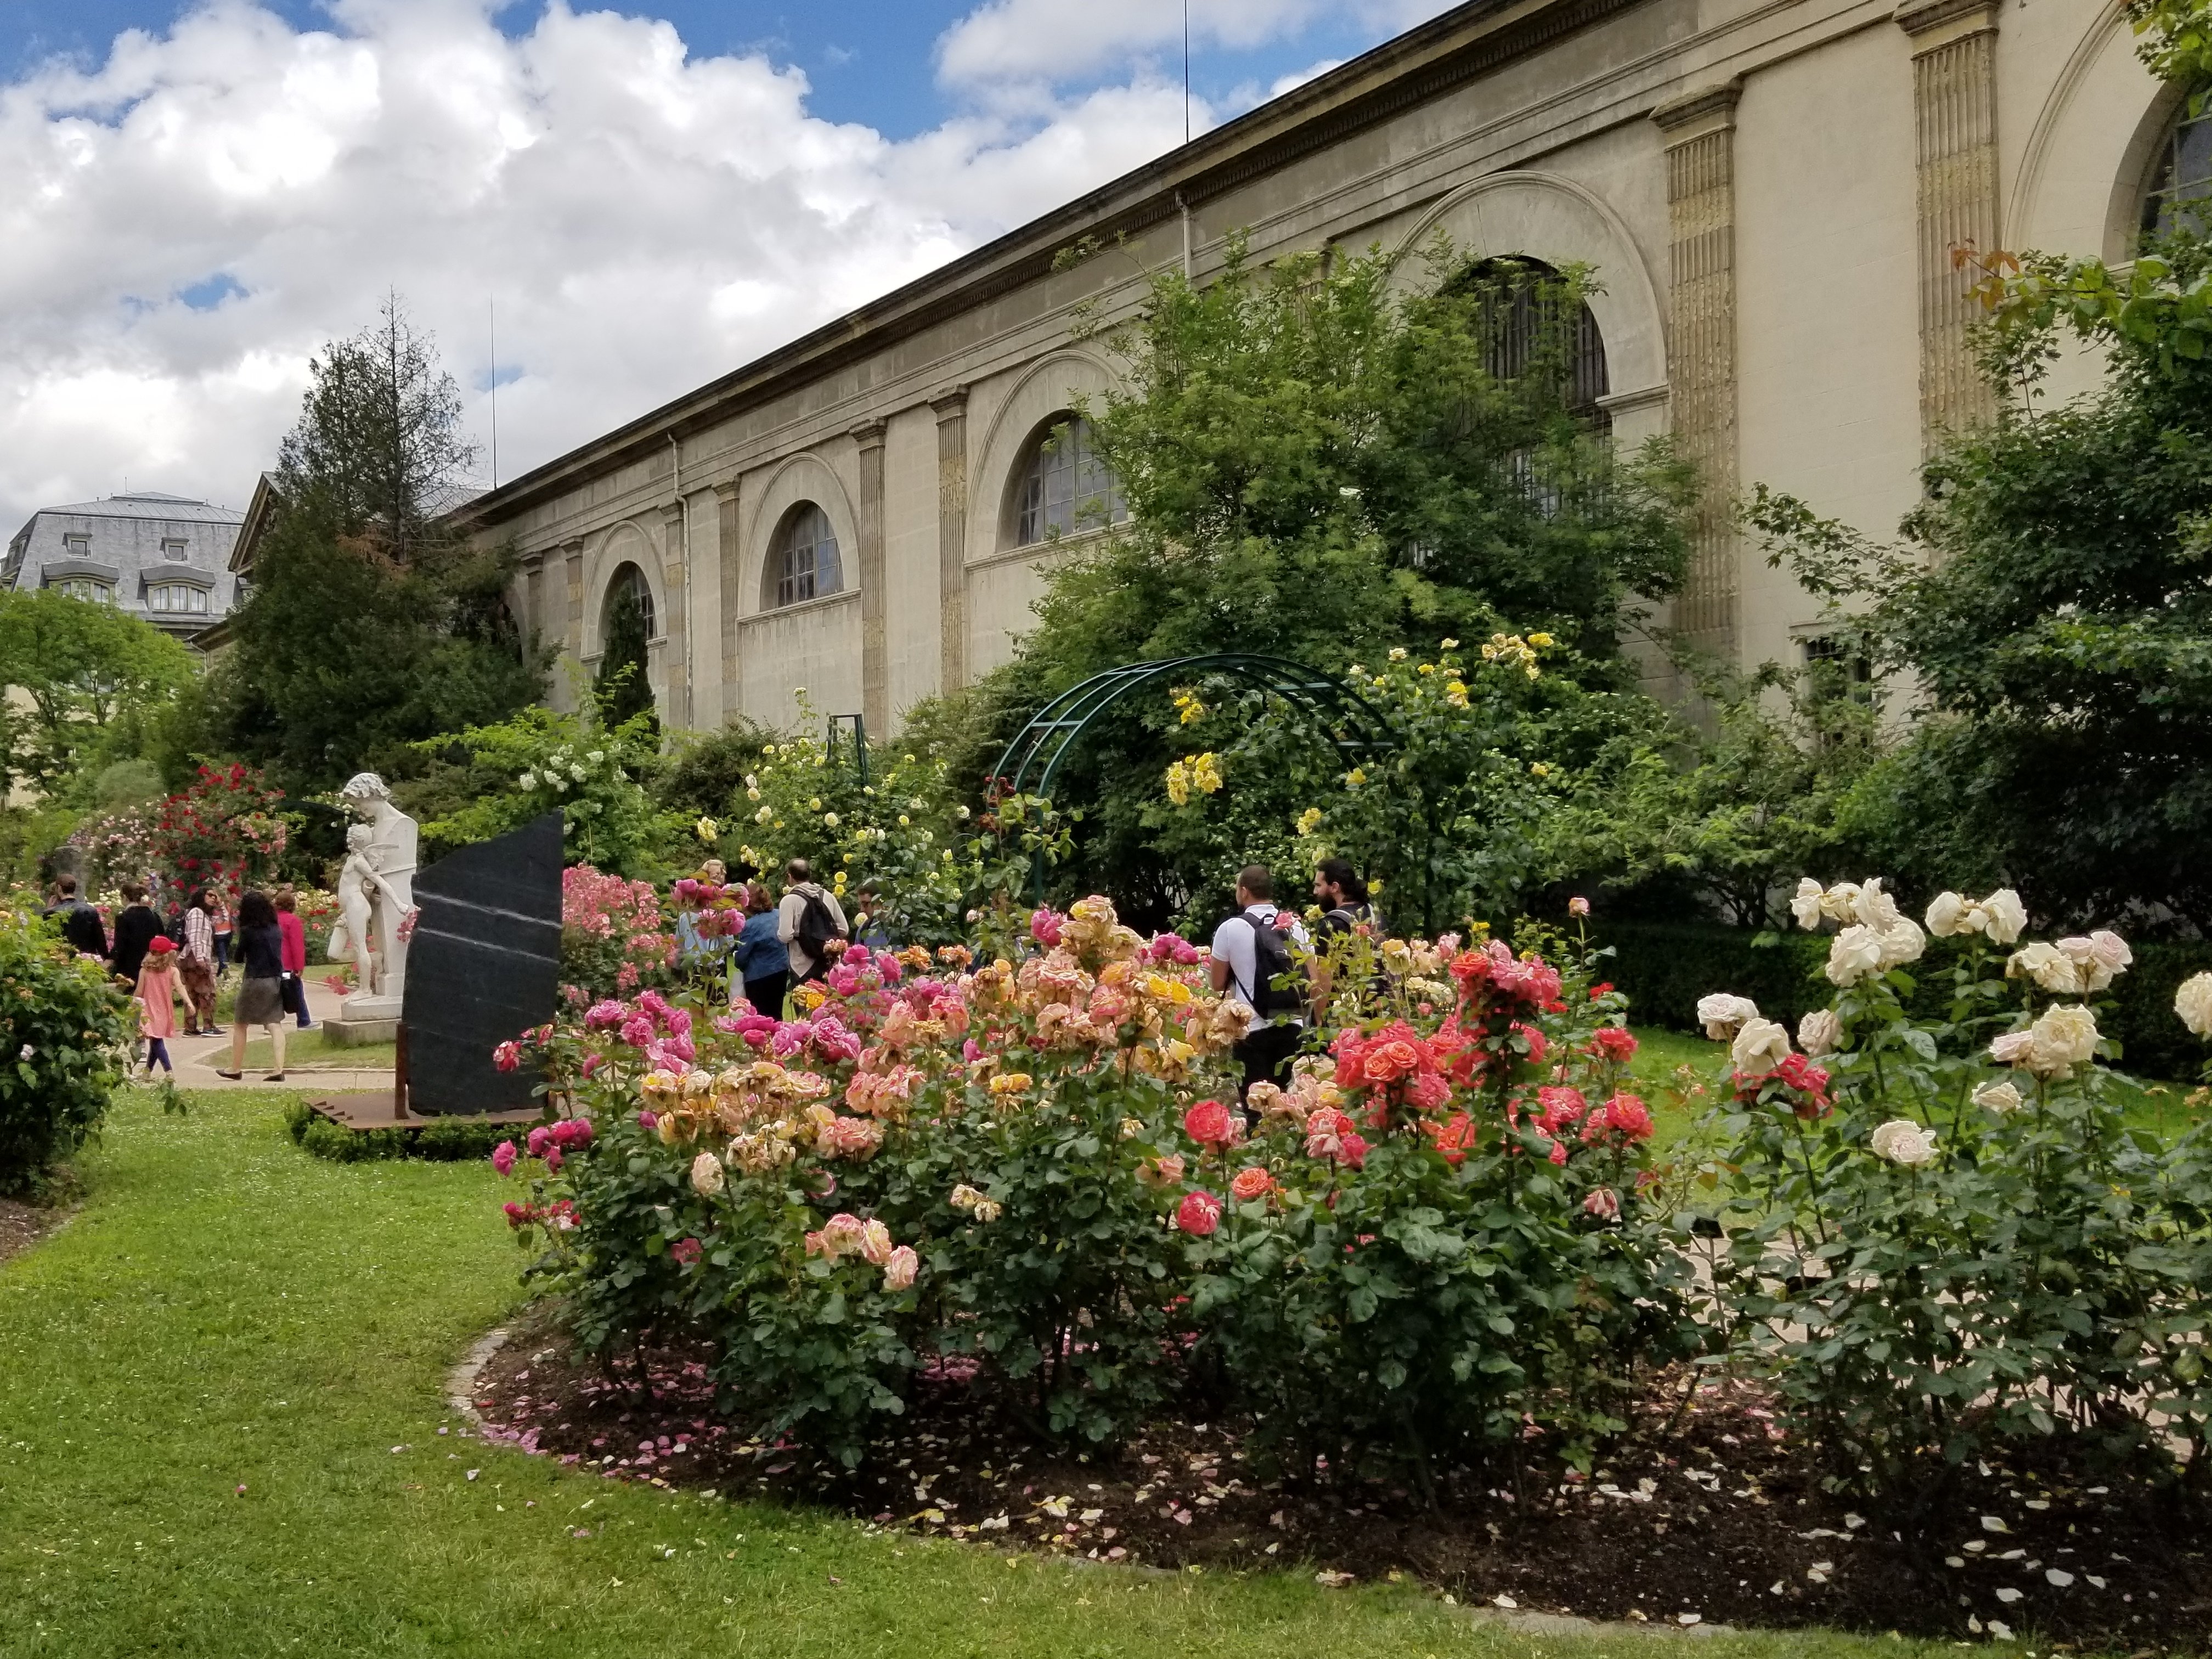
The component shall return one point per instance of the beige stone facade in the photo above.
(1770, 192)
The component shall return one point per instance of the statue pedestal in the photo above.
(363, 1018)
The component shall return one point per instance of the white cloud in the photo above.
(645, 220)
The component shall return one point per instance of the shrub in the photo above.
(611, 938)
(63, 1035)
(444, 1140)
(1030, 1176)
(1944, 1233)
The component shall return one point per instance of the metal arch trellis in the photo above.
(1355, 727)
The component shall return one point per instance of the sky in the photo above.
(195, 197)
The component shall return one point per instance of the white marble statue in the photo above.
(380, 869)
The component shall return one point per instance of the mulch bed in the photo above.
(1703, 1513)
(22, 1225)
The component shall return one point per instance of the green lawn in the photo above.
(314, 1048)
(229, 1313)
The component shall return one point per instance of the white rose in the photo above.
(1997, 1098)
(2013, 1047)
(1721, 1014)
(1875, 907)
(2110, 950)
(706, 1174)
(1949, 914)
(1761, 1045)
(1819, 1032)
(1902, 941)
(2007, 916)
(1855, 953)
(1806, 907)
(2047, 965)
(1841, 902)
(2193, 1002)
(2062, 1038)
(1903, 1141)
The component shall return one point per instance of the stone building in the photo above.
(1770, 192)
(162, 557)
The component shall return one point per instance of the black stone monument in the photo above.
(483, 966)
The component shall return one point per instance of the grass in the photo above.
(314, 1048)
(229, 1312)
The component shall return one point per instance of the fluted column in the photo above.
(951, 538)
(1954, 106)
(728, 551)
(1701, 369)
(875, 633)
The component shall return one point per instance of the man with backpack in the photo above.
(1251, 961)
(809, 921)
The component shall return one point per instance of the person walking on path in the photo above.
(809, 921)
(1346, 909)
(763, 961)
(261, 997)
(156, 992)
(196, 965)
(294, 933)
(80, 922)
(225, 933)
(1251, 952)
(137, 927)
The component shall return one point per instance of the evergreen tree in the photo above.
(621, 687)
(372, 623)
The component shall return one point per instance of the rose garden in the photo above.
(1747, 1175)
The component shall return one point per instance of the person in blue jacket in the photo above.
(763, 962)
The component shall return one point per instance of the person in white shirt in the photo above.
(799, 886)
(1251, 950)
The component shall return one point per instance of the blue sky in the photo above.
(649, 200)
(868, 61)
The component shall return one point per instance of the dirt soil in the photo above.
(22, 1225)
(1705, 1511)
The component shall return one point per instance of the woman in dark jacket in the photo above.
(137, 927)
(261, 997)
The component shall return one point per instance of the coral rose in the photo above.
(1252, 1181)
(1212, 1124)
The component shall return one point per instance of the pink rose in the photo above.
(540, 1138)
(1198, 1214)
(648, 1121)
(552, 1159)
(508, 1056)
(1603, 1203)
(503, 1157)
(900, 1268)
(687, 1251)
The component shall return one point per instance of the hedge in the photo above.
(1665, 967)
(448, 1140)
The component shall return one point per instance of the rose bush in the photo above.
(1031, 1169)
(612, 939)
(64, 1045)
(1944, 1234)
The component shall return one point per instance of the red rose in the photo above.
(1211, 1124)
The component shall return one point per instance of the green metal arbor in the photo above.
(1337, 715)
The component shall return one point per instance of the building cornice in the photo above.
(1424, 64)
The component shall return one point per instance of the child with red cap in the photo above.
(157, 1001)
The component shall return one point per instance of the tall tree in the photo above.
(91, 675)
(621, 685)
(371, 624)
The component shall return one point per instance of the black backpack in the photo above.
(817, 929)
(1271, 960)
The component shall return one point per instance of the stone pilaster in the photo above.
(731, 555)
(1699, 134)
(875, 631)
(569, 614)
(676, 626)
(951, 411)
(530, 596)
(1955, 107)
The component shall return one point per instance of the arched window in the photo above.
(1523, 306)
(2179, 194)
(1062, 487)
(628, 583)
(802, 561)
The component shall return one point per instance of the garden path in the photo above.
(223, 1433)
(197, 1057)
